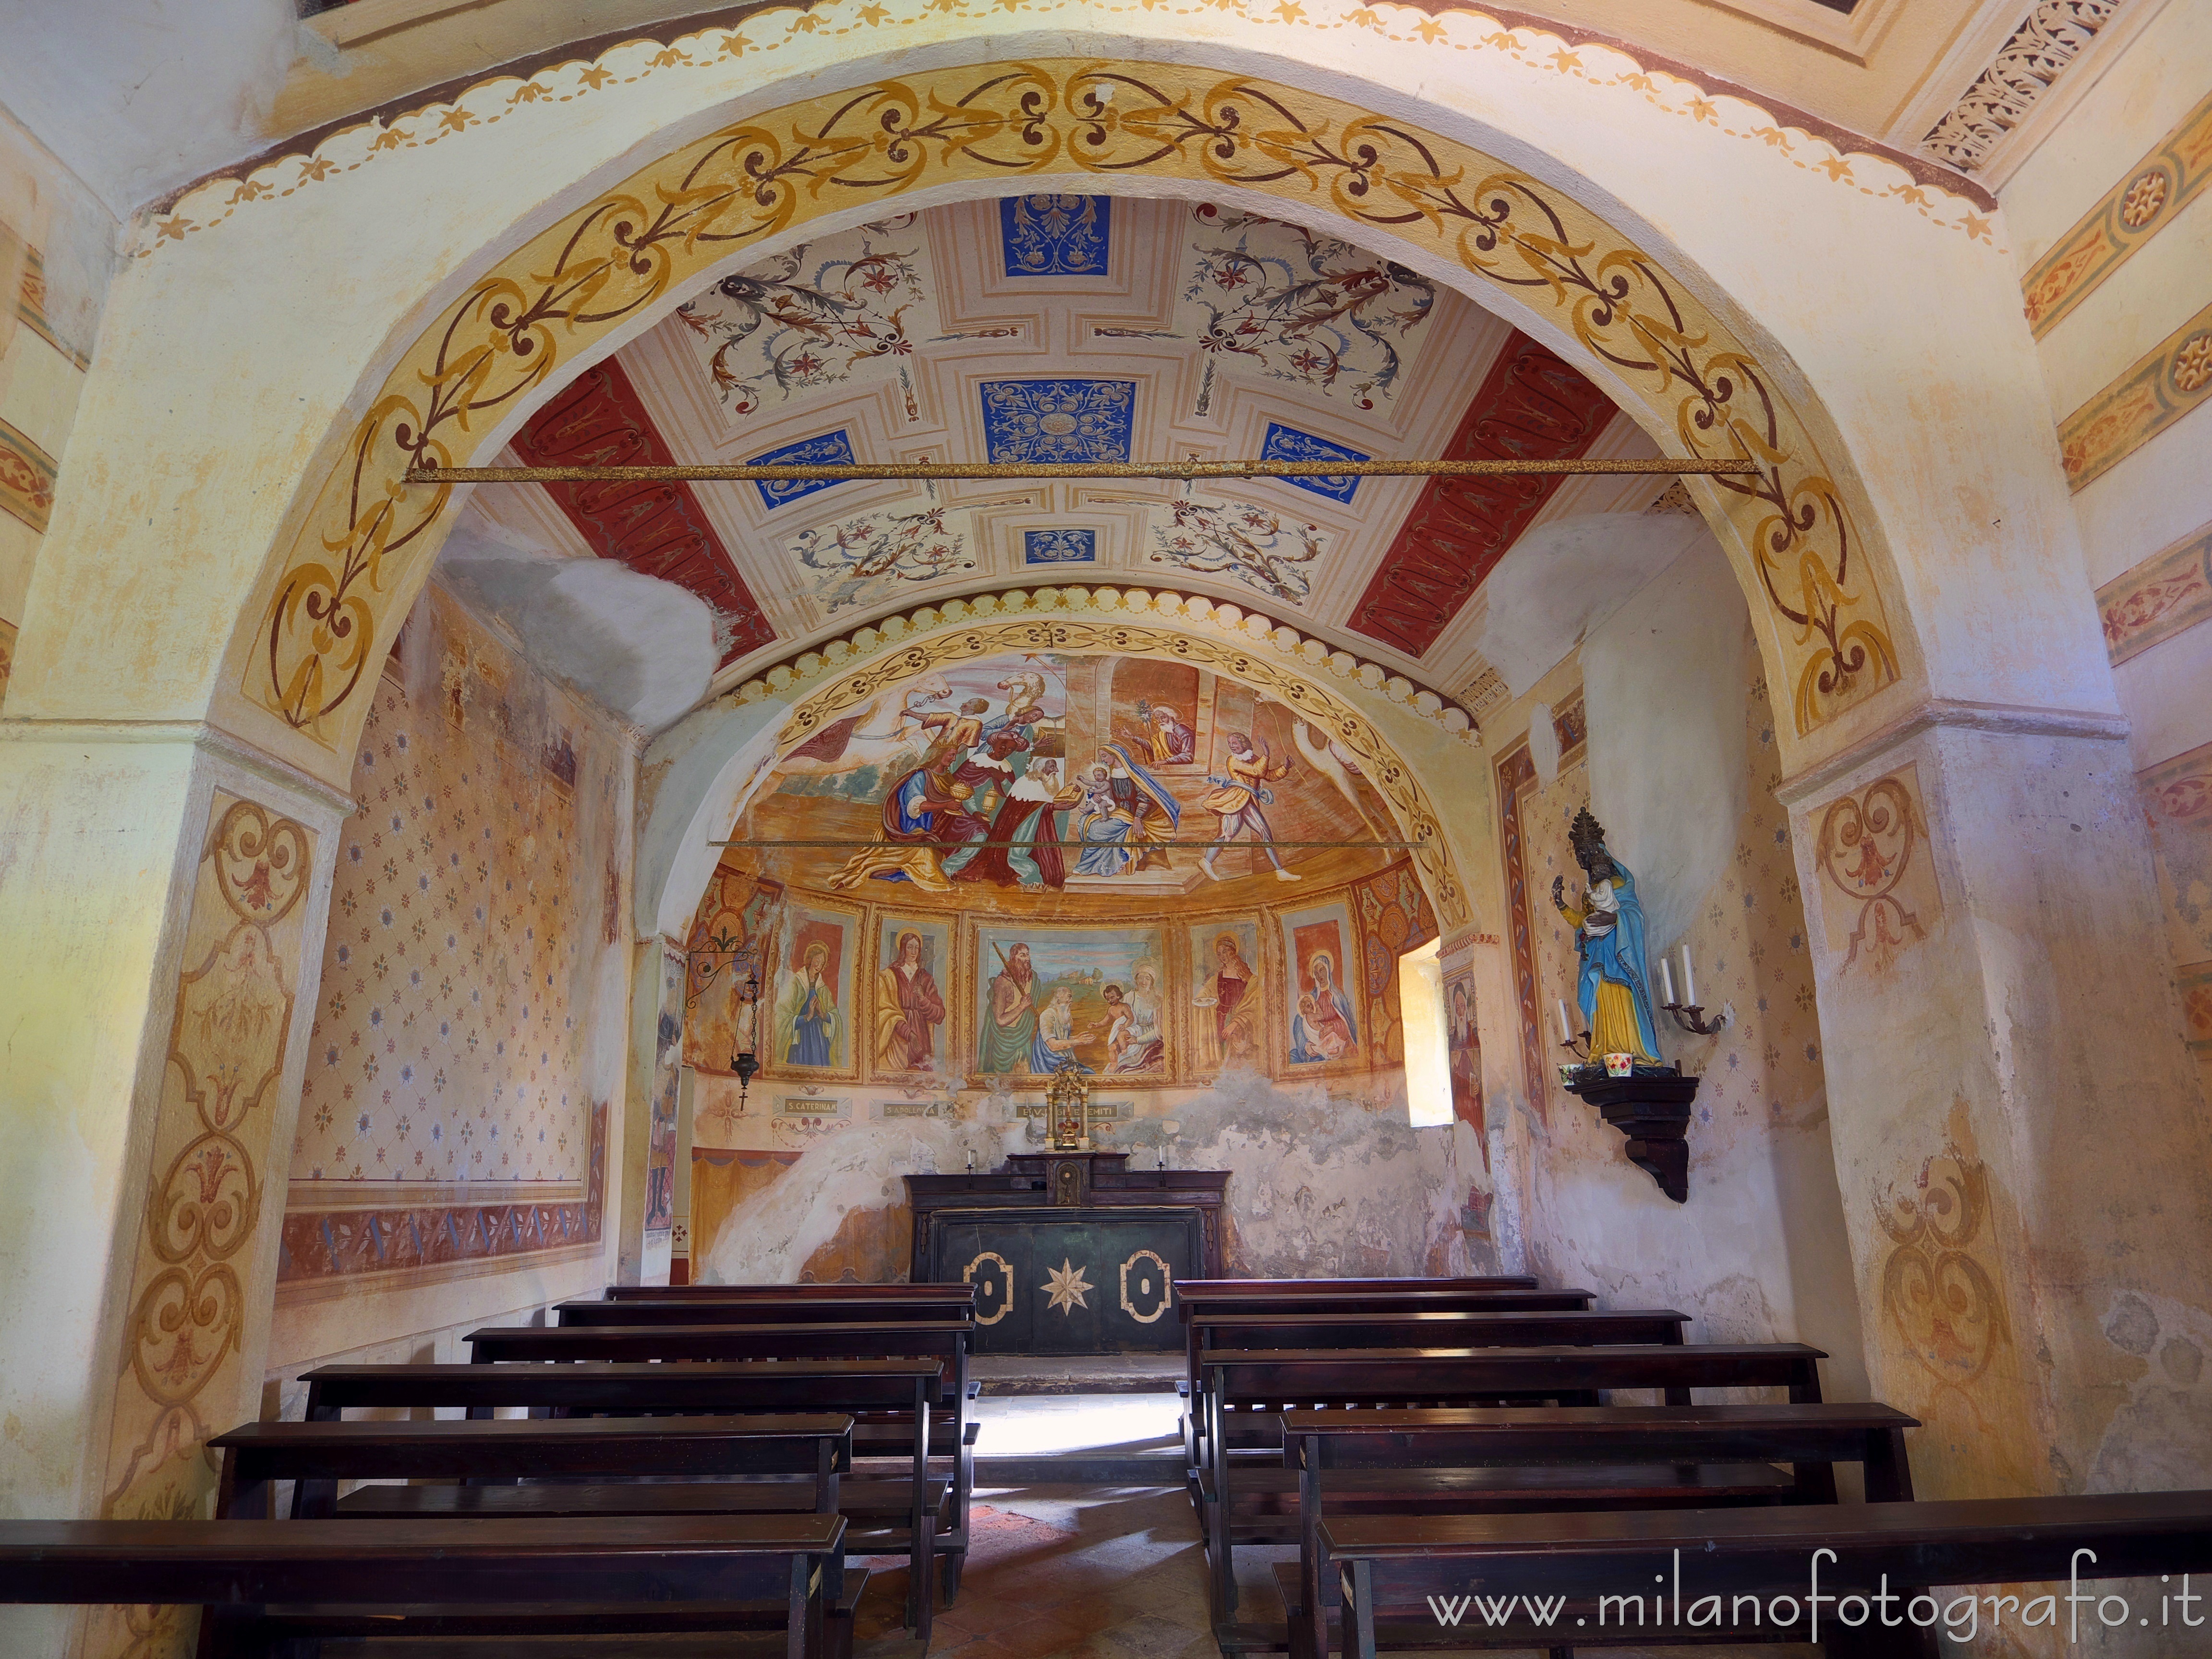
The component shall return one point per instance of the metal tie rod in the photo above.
(1134, 846)
(1179, 472)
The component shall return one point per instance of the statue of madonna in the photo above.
(1615, 988)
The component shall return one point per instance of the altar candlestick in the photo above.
(1689, 978)
(1667, 980)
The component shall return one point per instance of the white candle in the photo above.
(1667, 980)
(1689, 978)
(1566, 1031)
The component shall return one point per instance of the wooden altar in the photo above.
(1069, 1252)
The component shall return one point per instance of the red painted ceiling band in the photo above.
(1531, 406)
(655, 528)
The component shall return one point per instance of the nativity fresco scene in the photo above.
(831, 828)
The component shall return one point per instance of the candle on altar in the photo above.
(1566, 1031)
(1667, 980)
(1689, 978)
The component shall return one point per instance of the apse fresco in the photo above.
(1048, 997)
(809, 1022)
(1054, 781)
(1026, 860)
(913, 977)
(1324, 1019)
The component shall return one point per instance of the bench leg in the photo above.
(954, 1561)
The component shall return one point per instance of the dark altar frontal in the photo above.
(1069, 1252)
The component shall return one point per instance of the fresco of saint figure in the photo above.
(806, 1025)
(1167, 734)
(910, 1008)
(1463, 1047)
(1009, 1018)
(1324, 1028)
(1122, 806)
(1086, 997)
(1134, 1042)
(1228, 1000)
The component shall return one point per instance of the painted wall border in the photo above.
(576, 69)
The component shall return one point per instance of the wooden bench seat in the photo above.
(760, 1572)
(541, 1464)
(1390, 1566)
(1345, 1462)
(945, 1341)
(841, 1291)
(887, 1398)
(1300, 1286)
(754, 1310)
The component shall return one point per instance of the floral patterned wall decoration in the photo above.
(844, 310)
(470, 916)
(1269, 552)
(1271, 302)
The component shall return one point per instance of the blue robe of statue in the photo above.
(1617, 956)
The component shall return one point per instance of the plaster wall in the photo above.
(467, 1065)
(1760, 1252)
(56, 243)
(1328, 1179)
(2146, 520)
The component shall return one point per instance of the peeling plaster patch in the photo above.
(1323, 1184)
(2184, 1361)
(642, 647)
(1559, 581)
(2161, 1438)
(2132, 1326)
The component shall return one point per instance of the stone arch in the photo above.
(1799, 534)
(735, 743)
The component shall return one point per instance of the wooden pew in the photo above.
(899, 1516)
(592, 1467)
(1512, 1459)
(1389, 1328)
(942, 1340)
(1388, 1567)
(1298, 1286)
(838, 1292)
(1244, 1395)
(754, 1310)
(1199, 1302)
(518, 1579)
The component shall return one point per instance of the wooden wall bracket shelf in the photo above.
(1653, 1112)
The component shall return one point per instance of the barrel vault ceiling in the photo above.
(1075, 328)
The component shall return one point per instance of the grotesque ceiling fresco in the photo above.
(1076, 328)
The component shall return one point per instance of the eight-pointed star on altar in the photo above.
(1067, 1286)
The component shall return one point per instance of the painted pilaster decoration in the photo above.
(214, 1131)
(2049, 38)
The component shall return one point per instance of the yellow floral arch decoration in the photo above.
(362, 551)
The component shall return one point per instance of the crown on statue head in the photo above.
(1586, 835)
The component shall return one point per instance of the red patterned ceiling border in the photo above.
(1845, 141)
(1531, 406)
(657, 528)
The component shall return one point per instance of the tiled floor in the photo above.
(1083, 1572)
